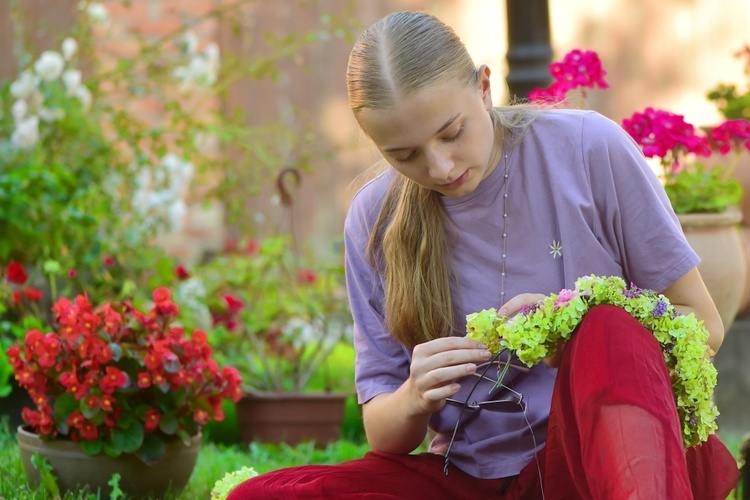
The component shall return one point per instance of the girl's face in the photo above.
(441, 137)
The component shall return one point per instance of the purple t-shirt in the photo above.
(581, 200)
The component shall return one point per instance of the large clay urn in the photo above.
(716, 239)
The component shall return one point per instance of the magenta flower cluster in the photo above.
(732, 134)
(578, 68)
(662, 133)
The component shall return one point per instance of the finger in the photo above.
(444, 376)
(440, 393)
(446, 344)
(516, 303)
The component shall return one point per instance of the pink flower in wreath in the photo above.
(564, 297)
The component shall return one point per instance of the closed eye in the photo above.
(456, 136)
(406, 159)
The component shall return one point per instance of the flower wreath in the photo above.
(536, 331)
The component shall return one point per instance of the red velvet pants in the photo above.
(613, 434)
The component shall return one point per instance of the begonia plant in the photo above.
(120, 380)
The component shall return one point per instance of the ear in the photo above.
(483, 75)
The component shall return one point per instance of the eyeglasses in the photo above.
(512, 403)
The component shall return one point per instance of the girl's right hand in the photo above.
(437, 365)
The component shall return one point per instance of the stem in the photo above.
(732, 165)
(20, 44)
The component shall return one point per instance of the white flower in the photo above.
(49, 66)
(69, 48)
(171, 162)
(143, 179)
(50, 115)
(72, 80)
(19, 110)
(212, 53)
(84, 95)
(26, 134)
(25, 85)
(301, 332)
(201, 70)
(555, 249)
(190, 42)
(176, 215)
(98, 13)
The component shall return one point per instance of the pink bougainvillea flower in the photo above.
(72, 273)
(108, 261)
(15, 273)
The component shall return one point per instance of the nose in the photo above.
(439, 165)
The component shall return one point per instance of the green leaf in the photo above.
(64, 406)
(87, 411)
(130, 439)
(116, 492)
(168, 424)
(47, 478)
(91, 447)
(152, 450)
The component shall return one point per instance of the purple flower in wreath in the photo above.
(529, 309)
(659, 309)
(633, 292)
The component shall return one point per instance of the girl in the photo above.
(496, 207)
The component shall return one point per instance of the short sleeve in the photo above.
(636, 218)
(382, 363)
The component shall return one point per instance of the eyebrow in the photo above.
(445, 126)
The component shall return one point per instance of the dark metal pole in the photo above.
(529, 49)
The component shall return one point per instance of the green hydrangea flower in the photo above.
(535, 333)
(230, 481)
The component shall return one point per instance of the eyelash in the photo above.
(446, 139)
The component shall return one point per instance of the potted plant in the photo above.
(118, 390)
(705, 198)
(280, 321)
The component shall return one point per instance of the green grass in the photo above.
(214, 461)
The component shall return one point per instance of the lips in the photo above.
(457, 182)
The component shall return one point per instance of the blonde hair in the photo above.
(410, 242)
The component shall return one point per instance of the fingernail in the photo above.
(502, 312)
(486, 354)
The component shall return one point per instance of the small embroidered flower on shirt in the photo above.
(555, 249)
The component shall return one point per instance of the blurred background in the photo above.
(661, 53)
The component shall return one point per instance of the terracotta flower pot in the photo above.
(291, 418)
(74, 469)
(716, 240)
